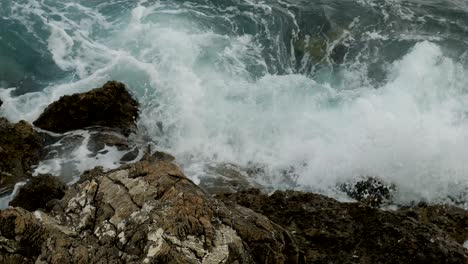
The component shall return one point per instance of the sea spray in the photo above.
(327, 95)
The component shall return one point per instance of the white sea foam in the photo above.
(411, 130)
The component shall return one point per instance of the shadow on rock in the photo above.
(38, 192)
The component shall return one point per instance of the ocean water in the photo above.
(316, 93)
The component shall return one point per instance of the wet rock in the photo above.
(1, 102)
(38, 192)
(328, 231)
(100, 139)
(371, 191)
(146, 212)
(20, 148)
(227, 178)
(109, 106)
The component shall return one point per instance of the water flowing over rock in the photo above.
(20, 148)
(109, 106)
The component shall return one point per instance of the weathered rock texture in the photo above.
(452, 220)
(38, 192)
(109, 106)
(328, 231)
(20, 148)
(147, 212)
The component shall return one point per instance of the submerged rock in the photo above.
(371, 191)
(327, 231)
(20, 148)
(147, 212)
(38, 192)
(109, 106)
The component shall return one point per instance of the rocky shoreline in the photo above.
(148, 211)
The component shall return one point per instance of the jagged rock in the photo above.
(328, 231)
(20, 148)
(146, 212)
(109, 106)
(38, 192)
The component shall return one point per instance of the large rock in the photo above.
(38, 192)
(109, 106)
(328, 231)
(20, 148)
(147, 212)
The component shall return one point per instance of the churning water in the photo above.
(323, 92)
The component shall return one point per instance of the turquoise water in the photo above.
(329, 91)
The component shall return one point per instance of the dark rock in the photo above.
(452, 220)
(371, 191)
(328, 231)
(109, 106)
(338, 53)
(1, 102)
(38, 192)
(20, 148)
(130, 155)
